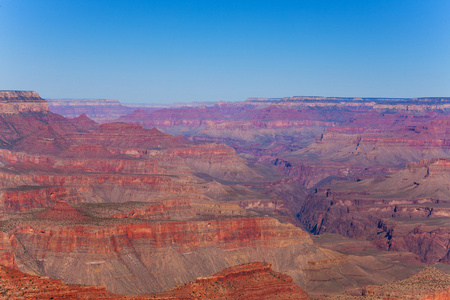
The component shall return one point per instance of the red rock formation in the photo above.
(27, 125)
(56, 243)
(250, 281)
(7, 257)
(362, 138)
(155, 246)
(185, 236)
(17, 285)
(26, 198)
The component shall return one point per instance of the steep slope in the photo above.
(123, 135)
(249, 281)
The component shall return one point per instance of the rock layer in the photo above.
(250, 281)
(62, 243)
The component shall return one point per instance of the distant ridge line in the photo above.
(419, 100)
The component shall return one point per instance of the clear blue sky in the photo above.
(172, 51)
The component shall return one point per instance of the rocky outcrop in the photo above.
(218, 160)
(381, 140)
(250, 281)
(32, 129)
(14, 102)
(17, 285)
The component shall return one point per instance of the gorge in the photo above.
(316, 197)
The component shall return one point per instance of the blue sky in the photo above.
(174, 51)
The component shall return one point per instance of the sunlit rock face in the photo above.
(14, 102)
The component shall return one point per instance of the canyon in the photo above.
(312, 196)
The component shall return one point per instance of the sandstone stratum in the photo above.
(265, 198)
